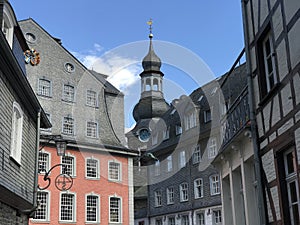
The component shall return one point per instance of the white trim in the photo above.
(130, 191)
(98, 208)
(120, 208)
(48, 208)
(120, 171)
(73, 209)
(16, 133)
(98, 175)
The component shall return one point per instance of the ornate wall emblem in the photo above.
(32, 57)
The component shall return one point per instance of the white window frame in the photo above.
(7, 20)
(214, 181)
(16, 133)
(157, 198)
(200, 218)
(184, 192)
(212, 148)
(44, 87)
(119, 171)
(91, 100)
(267, 57)
(68, 125)
(217, 216)
(47, 163)
(97, 177)
(291, 178)
(119, 209)
(182, 159)
(198, 183)
(157, 168)
(73, 207)
(158, 222)
(43, 206)
(178, 129)
(185, 220)
(73, 166)
(171, 220)
(92, 130)
(98, 210)
(197, 154)
(170, 195)
(169, 163)
(190, 120)
(207, 115)
(68, 94)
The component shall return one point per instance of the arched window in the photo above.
(148, 84)
(155, 84)
(16, 132)
(8, 25)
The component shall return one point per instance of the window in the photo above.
(166, 133)
(47, 129)
(196, 154)
(141, 223)
(67, 207)
(92, 129)
(207, 116)
(200, 219)
(92, 208)
(157, 168)
(42, 213)
(171, 221)
(184, 192)
(214, 185)
(44, 88)
(212, 151)
(292, 185)
(16, 133)
(91, 98)
(69, 67)
(43, 161)
(68, 93)
(198, 188)
(182, 159)
(185, 220)
(114, 171)
(92, 168)
(115, 210)
(170, 195)
(267, 69)
(169, 163)
(68, 126)
(190, 120)
(178, 129)
(7, 28)
(30, 37)
(157, 197)
(158, 222)
(69, 165)
(218, 217)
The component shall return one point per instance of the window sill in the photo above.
(269, 95)
(17, 163)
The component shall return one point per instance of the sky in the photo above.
(196, 40)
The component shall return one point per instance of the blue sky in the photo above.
(196, 40)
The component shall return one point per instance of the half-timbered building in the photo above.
(271, 30)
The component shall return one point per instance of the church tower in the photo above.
(152, 103)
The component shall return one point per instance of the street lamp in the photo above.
(63, 181)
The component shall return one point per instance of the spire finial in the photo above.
(150, 28)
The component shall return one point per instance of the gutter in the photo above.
(256, 155)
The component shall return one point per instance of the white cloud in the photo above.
(122, 72)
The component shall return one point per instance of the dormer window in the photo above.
(7, 28)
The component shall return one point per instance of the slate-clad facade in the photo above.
(87, 111)
(21, 116)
